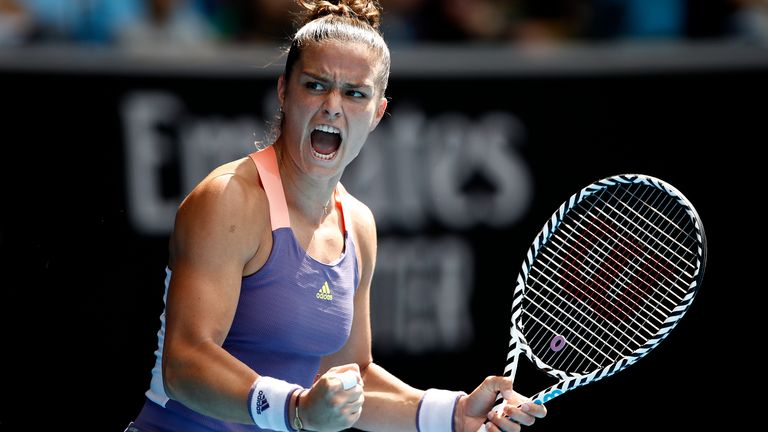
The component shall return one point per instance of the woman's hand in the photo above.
(474, 410)
(327, 406)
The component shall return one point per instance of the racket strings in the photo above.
(577, 347)
(623, 252)
(589, 333)
(628, 248)
(616, 274)
(603, 279)
(681, 221)
(573, 316)
(602, 321)
(640, 269)
(655, 239)
(642, 241)
(608, 345)
(651, 246)
(616, 328)
(615, 340)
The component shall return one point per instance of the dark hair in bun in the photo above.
(342, 21)
(364, 10)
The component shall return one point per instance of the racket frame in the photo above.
(569, 380)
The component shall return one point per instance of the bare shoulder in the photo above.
(231, 189)
(228, 207)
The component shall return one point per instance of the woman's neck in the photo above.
(311, 197)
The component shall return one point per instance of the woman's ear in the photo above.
(380, 110)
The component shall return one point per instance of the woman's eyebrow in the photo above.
(315, 77)
(344, 85)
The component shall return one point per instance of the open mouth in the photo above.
(325, 141)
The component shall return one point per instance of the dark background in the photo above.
(82, 289)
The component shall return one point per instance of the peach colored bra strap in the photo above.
(266, 164)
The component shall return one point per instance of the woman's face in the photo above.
(331, 103)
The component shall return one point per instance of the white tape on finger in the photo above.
(348, 379)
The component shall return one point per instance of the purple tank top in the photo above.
(290, 313)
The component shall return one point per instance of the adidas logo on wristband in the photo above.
(265, 390)
(261, 402)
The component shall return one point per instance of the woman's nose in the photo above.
(332, 105)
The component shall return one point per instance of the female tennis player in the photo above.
(267, 317)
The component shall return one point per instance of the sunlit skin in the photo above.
(334, 84)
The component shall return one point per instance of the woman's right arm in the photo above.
(218, 230)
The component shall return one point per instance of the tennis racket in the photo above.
(605, 281)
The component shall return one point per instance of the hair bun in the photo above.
(368, 11)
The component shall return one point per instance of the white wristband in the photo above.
(268, 403)
(436, 410)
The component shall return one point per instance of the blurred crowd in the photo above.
(210, 22)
